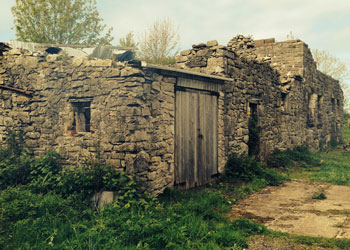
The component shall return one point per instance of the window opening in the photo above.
(319, 102)
(319, 112)
(253, 142)
(285, 102)
(81, 116)
(312, 112)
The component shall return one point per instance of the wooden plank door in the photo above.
(196, 137)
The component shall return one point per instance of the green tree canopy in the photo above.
(60, 22)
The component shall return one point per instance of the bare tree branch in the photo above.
(159, 43)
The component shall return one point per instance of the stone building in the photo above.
(171, 126)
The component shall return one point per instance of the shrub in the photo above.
(298, 156)
(46, 174)
(29, 219)
(241, 168)
(246, 168)
(15, 160)
(319, 196)
(85, 180)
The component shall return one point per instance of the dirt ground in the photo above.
(290, 208)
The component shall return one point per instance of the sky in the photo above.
(322, 24)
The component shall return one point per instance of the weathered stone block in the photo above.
(185, 52)
(14, 52)
(180, 59)
(197, 62)
(198, 45)
(128, 71)
(52, 58)
(101, 199)
(212, 43)
(204, 53)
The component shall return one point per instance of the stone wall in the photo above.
(131, 112)
(296, 104)
(85, 108)
(313, 112)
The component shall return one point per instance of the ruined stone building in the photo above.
(171, 125)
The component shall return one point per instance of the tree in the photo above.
(60, 22)
(332, 66)
(159, 42)
(128, 41)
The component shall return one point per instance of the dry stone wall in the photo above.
(124, 113)
(84, 108)
(313, 101)
(296, 104)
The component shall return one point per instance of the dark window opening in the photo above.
(319, 101)
(319, 113)
(333, 104)
(253, 142)
(81, 116)
(284, 98)
(285, 102)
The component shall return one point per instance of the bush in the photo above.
(45, 174)
(45, 207)
(29, 219)
(298, 156)
(246, 168)
(15, 160)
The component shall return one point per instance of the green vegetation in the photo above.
(60, 22)
(46, 206)
(334, 167)
(319, 196)
(299, 156)
(247, 168)
(309, 242)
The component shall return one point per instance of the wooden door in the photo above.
(196, 159)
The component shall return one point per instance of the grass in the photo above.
(307, 242)
(46, 209)
(334, 167)
(346, 133)
(45, 206)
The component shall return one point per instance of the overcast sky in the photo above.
(322, 24)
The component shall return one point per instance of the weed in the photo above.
(247, 168)
(298, 156)
(15, 160)
(319, 196)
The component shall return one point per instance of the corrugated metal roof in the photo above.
(22, 45)
(102, 52)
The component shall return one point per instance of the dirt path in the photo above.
(290, 208)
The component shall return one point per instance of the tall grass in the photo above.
(45, 206)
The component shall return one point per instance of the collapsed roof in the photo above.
(116, 53)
